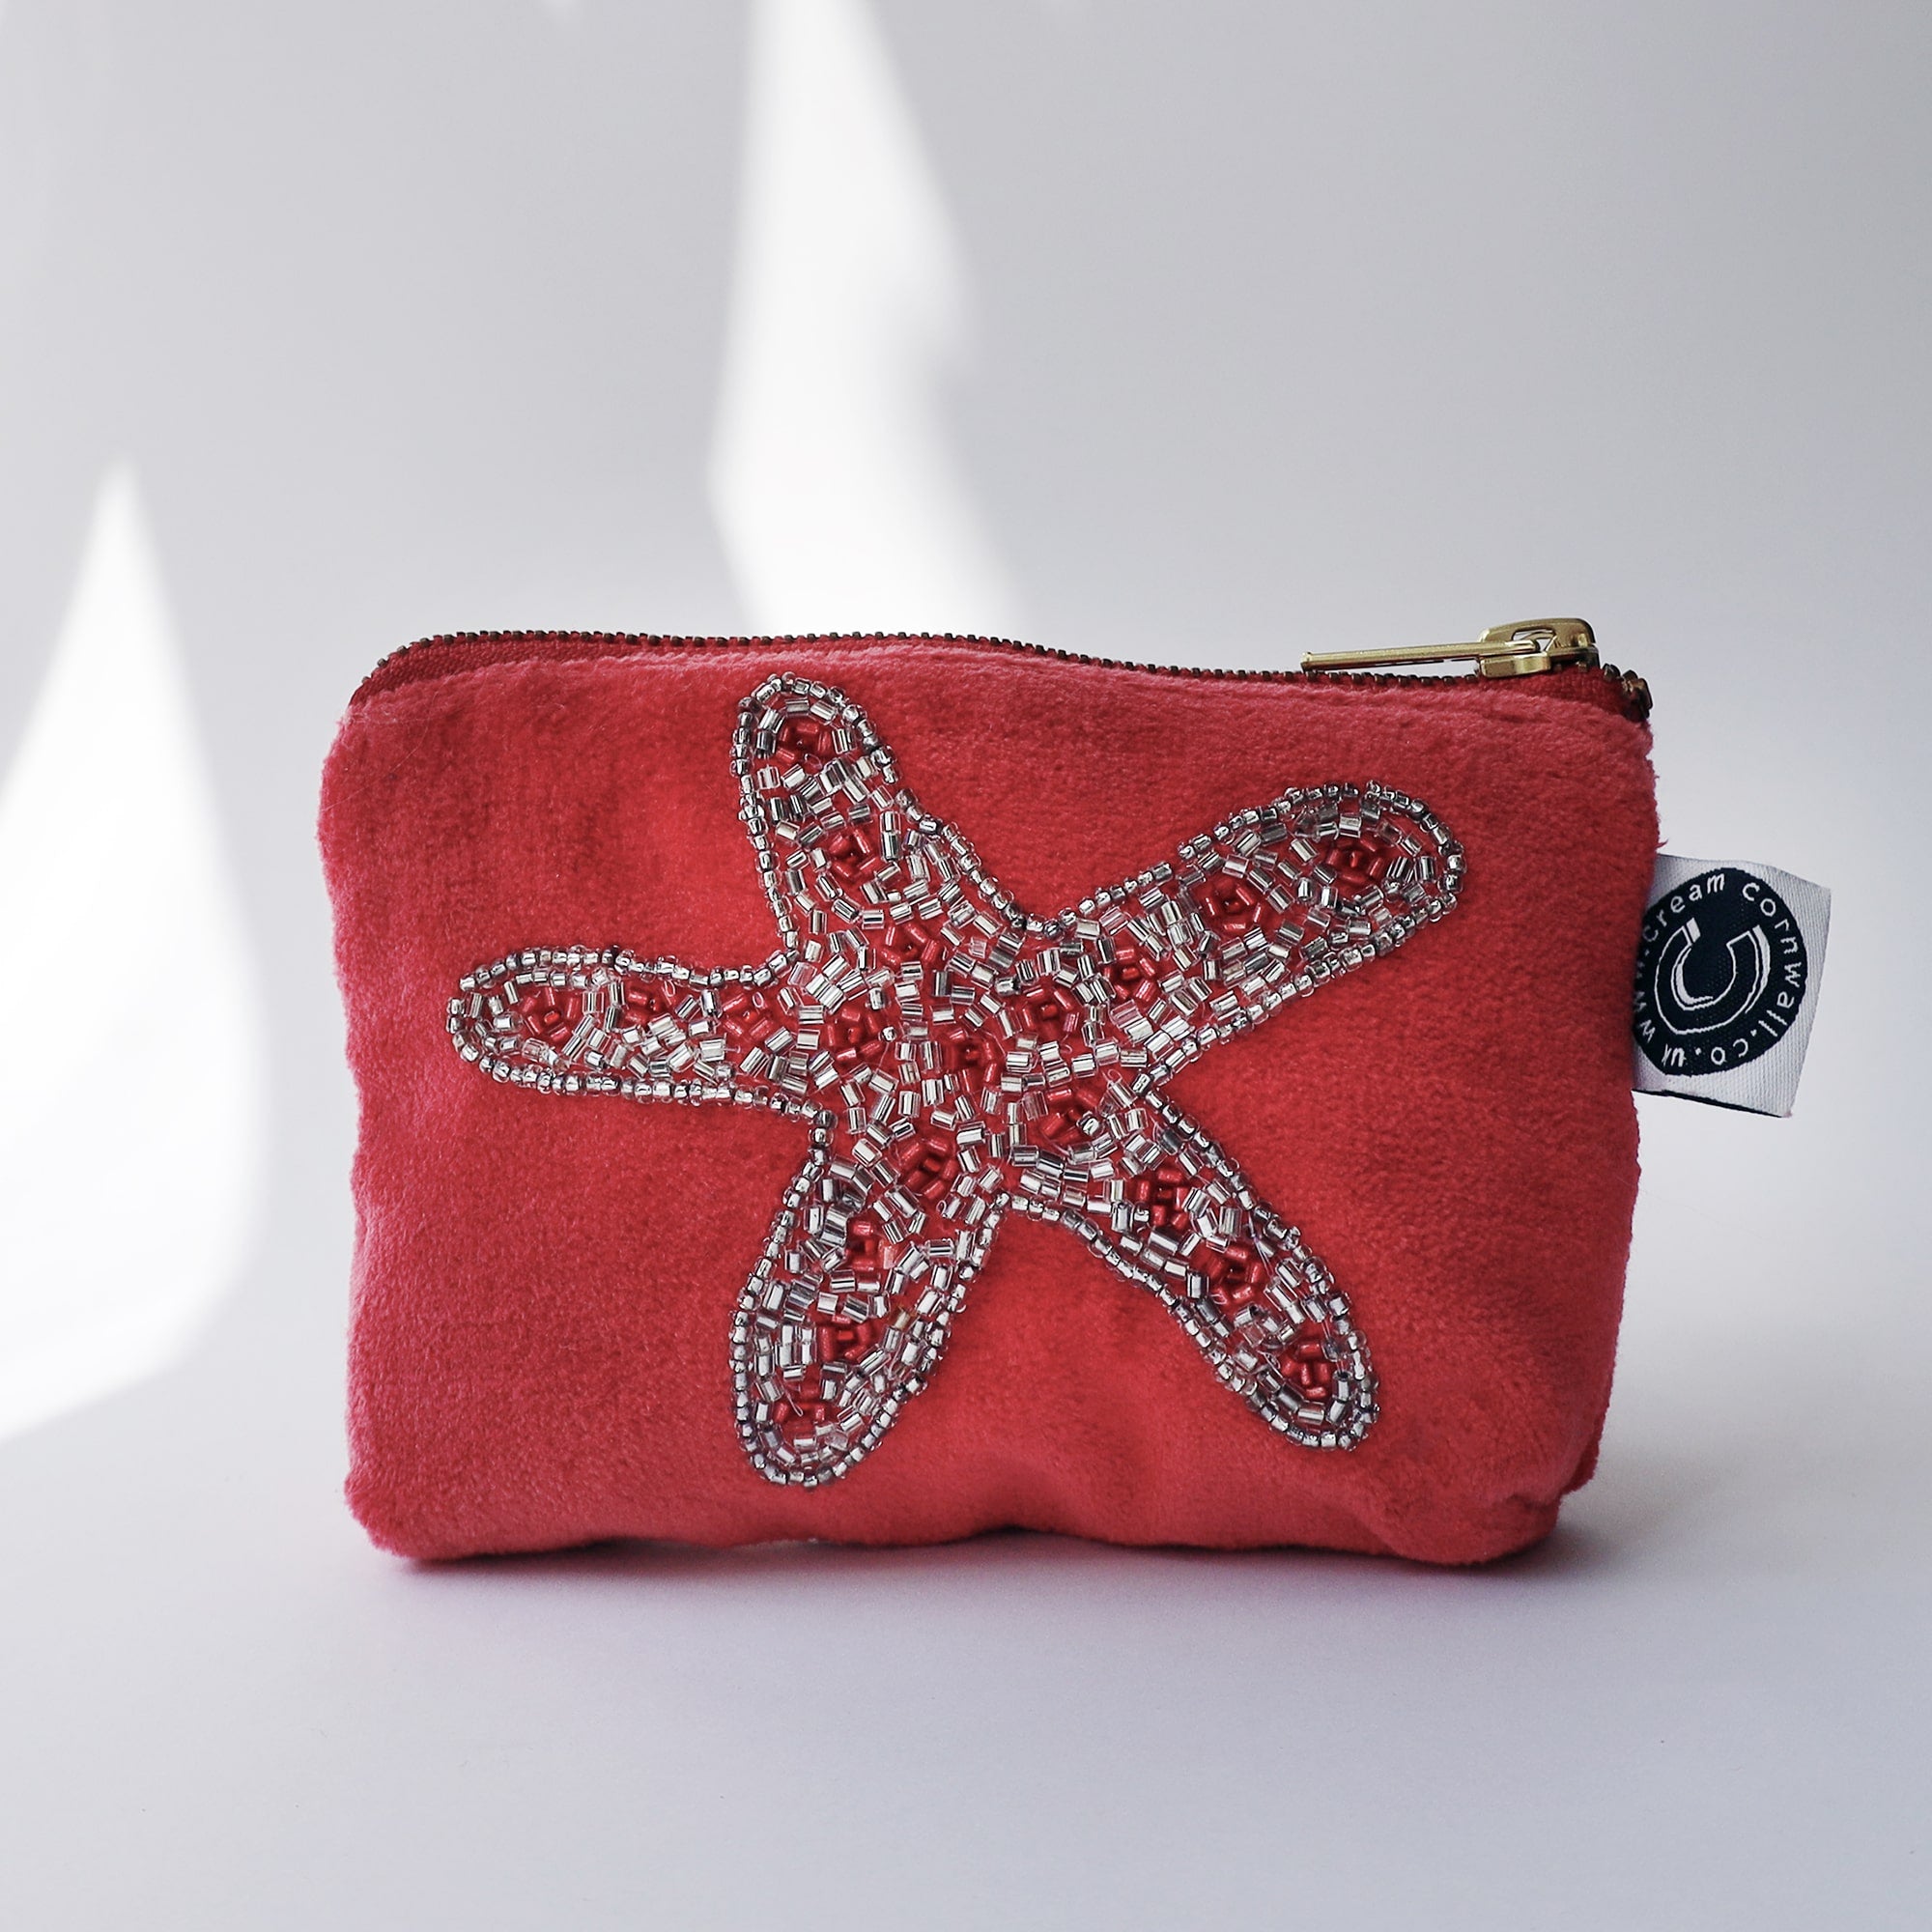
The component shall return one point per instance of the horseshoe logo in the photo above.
(1749, 955)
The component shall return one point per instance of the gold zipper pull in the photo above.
(1508, 650)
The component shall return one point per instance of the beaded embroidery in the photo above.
(956, 1057)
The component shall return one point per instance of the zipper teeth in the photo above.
(1632, 690)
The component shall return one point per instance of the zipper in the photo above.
(1524, 649)
(1563, 647)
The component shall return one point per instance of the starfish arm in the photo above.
(575, 1020)
(1271, 903)
(852, 1301)
(1161, 1204)
(849, 858)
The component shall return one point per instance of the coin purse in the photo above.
(882, 1089)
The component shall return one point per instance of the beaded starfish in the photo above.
(957, 1057)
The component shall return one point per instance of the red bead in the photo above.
(1159, 1191)
(1062, 1121)
(804, 740)
(1305, 1365)
(802, 1411)
(968, 1053)
(1060, 1124)
(1230, 906)
(855, 1036)
(911, 939)
(1234, 1274)
(749, 1015)
(1128, 974)
(862, 1244)
(928, 1164)
(1047, 1011)
(1357, 864)
(644, 1001)
(847, 1341)
(552, 1012)
(850, 853)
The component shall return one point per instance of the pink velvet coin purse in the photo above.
(880, 1088)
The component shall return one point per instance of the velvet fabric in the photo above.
(544, 1287)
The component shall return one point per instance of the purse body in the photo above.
(546, 1282)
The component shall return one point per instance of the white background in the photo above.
(1205, 333)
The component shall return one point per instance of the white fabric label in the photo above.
(1727, 978)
